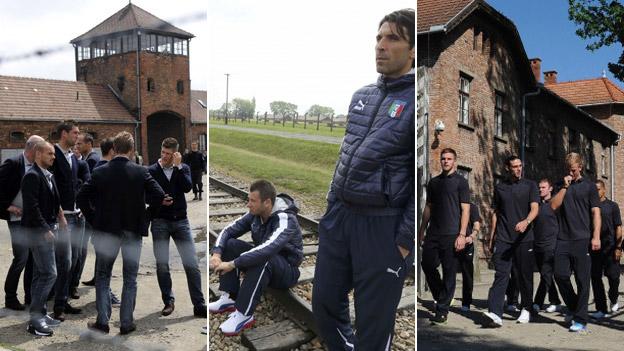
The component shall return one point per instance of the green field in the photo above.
(299, 167)
(311, 128)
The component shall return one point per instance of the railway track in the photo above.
(227, 202)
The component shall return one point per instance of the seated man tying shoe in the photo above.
(272, 260)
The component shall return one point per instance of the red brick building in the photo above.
(602, 99)
(132, 74)
(479, 93)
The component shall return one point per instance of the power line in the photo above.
(194, 17)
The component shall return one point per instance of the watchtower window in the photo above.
(129, 43)
(84, 53)
(180, 87)
(151, 86)
(164, 44)
(180, 46)
(148, 42)
(113, 46)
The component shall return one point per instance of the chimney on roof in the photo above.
(550, 77)
(536, 67)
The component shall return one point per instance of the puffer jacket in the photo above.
(375, 170)
(280, 235)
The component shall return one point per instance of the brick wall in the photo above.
(478, 48)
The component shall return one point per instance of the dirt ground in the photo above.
(545, 332)
(178, 331)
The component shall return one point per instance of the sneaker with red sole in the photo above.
(236, 323)
(223, 304)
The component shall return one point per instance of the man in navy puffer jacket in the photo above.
(273, 259)
(368, 228)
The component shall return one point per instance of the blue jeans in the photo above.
(107, 248)
(44, 273)
(180, 232)
(67, 247)
(22, 258)
(82, 255)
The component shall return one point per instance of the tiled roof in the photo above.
(32, 99)
(589, 91)
(435, 12)
(199, 112)
(129, 18)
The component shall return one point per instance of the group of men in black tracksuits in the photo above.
(572, 230)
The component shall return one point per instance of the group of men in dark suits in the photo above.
(47, 195)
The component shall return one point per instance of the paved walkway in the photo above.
(310, 137)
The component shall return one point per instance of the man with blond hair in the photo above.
(577, 207)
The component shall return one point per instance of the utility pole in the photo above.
(227, 88)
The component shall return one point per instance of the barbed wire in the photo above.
(194, 17)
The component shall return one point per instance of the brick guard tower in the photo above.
(144, 61)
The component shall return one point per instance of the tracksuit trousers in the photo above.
(357, 250)
(604, 263)
(467, 269)
(545, 260)
(438, 250)
(507, 257)
(573, 256)
(276, 273)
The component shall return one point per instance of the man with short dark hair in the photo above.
(12, 171)
(577, 205)
(113, 201)
(68, 244)
(515, 206)
(545, 231)
(41, 217)
(171, 222)
(272, 260)
(607, 260)
(84, 144)
(195, 160)
(368, 229)
(445, 219)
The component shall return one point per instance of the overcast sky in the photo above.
(30, 25)
(302, 52)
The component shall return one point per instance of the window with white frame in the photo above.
(464, 99)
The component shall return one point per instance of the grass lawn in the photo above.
(301, 168)
(310, 129)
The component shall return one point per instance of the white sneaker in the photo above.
(236, 323)
(223, 304)
(512, 308)
(615, 307)
(597, 315)
(525, 317)
(493, 321)
(553, 308)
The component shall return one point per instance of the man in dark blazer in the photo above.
(68, 244)
(171, 222)
(113, 201)
(85, 146)
(11, 173)
(41, 218)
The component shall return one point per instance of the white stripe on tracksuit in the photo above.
(256, 288)
(345, 339)
(283, 224)
(218, 244)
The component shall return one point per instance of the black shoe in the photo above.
(89, 282)
(438, 319)
(15, 305)
(200, 311)
(200, 198)
(59, 313)
(40, 329)
(168, 309)
(73, 293)
(72, 310)
(127, 330)
(195, 197)
(95, 326)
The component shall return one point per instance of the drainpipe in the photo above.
(522, 130)
(612, 164)
(138, 87)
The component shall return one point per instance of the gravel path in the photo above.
(310, 137)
